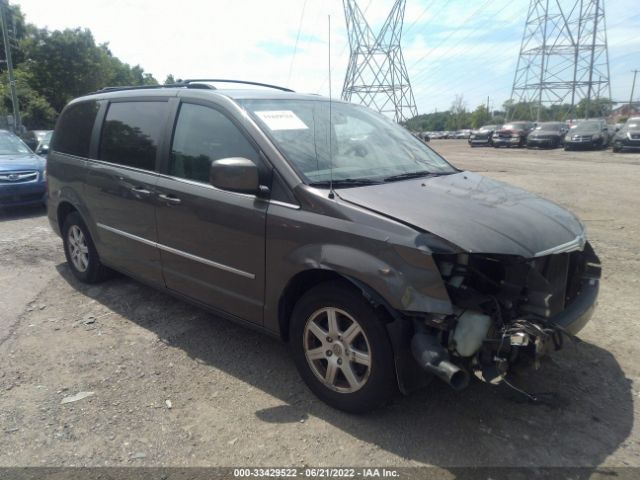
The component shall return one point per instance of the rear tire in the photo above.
(341, 348)
(81, 253)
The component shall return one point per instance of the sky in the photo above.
(451, 47)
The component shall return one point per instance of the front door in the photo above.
(212, 242)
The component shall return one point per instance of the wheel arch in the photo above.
(65, 208)
(304, 281)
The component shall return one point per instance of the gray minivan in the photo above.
(322, 223)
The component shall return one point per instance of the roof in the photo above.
(234, 94)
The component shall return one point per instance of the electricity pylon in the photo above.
(563, 56)
(377, 76)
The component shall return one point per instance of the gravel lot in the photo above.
(175, 386)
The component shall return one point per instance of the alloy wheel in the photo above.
(337, 350)
(78, 248)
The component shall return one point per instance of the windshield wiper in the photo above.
(345, 182)
(403, 176)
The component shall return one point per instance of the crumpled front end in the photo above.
(509, 311)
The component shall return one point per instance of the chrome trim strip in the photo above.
(180, 253)
(285, 204)
(575, 244)
(195, 183)
(210, 263)
(128, 235)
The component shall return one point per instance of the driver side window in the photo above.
(202, 135)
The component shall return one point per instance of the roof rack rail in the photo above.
(152, 87)
(223, 80)
(191, 83)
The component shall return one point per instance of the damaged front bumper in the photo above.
(508, 313)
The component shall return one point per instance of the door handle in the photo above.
(140, 191)
(170, 199)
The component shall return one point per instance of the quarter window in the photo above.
(203, 135)
(131, 133)
(73, 131)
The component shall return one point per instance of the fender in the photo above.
(407, 279)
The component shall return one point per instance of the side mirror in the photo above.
(234, 174)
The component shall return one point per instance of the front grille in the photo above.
(543, 137)
(18, 177)
(635, 136)
(582, 138)
(18, 198)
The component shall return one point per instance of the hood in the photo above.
(510, 130)
(23, 161)
(475, 213)
(482, 133)
(545, 133)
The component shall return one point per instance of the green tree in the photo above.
(459, 117)
(35, 111)
(16, 28)
(66, 64)
(480, 116)
(53, 67)
(597, 107)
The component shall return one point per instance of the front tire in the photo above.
(341, 348)
(80, 251)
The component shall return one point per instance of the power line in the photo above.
(295, 48)
(426, 9)
(452, 33)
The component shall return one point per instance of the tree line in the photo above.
(53, 67)
(459, 118)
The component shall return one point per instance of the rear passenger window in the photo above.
(131, 133)
(202, 135)
(74, 127)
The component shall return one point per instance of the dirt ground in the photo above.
(175, 386)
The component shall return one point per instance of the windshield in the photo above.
(588, 127)
(549, 127)
(46, 140)
(364, 146)
(633, 125)
(11, 145)
(515, 126)
(488, 127)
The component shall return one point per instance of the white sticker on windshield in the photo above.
(281, 120)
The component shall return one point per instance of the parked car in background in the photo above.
(628, 137)
(483, 136)
(462, 134)
(587, 134)
(379, 262)
(22, 173)
(33, 137)
(43, 147)
(513, 134)
(547, 135)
